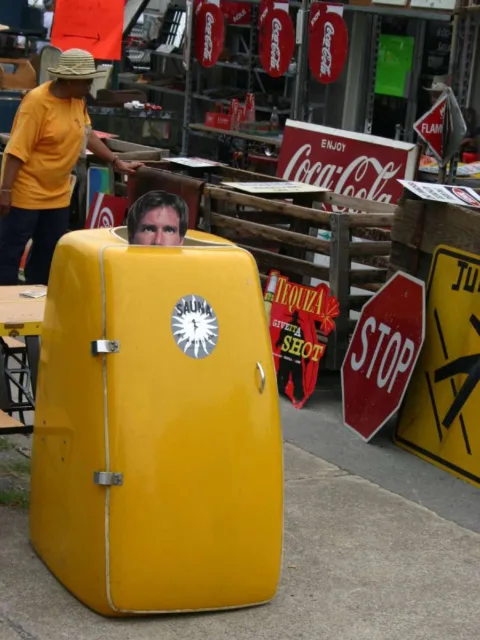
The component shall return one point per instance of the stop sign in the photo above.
(382, 354)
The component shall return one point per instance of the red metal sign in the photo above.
(106, 211)
(268, 5)
(348, 163)
(236, 12)
(209, 34)
(383, 352)
(294, 311)
(328, 46)
(276, 42)
(430, 127)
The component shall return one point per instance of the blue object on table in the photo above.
(11, 13)
(9, 103)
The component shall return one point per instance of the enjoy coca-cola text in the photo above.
(208, 43)
(345, 180)
(275, 45)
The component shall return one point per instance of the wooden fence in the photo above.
(285, 236)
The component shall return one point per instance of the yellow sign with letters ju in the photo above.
(440, 417)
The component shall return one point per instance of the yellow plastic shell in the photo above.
(198, 522)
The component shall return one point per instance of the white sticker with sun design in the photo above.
(195, 327)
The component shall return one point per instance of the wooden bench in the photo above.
(15, 353)
(9, 425)
(13, 344)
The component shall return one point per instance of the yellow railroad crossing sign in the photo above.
(440, 419)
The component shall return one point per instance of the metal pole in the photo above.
(372, 72)
(411, 115)
(302, 66)
(461, 70)
(188, 64)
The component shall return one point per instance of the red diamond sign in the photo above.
(430, 127)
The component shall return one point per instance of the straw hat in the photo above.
(439, 84)
(75, 64)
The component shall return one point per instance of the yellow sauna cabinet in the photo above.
(157, 480)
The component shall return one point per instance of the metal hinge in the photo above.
(105, 346)
(108, 479)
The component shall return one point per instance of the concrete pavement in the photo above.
(360, 563)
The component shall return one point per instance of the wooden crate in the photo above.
(420, 226)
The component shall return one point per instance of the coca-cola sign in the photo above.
(209, 34)
(347, 163)
(277, 42)
(236, 12)
(328, 46)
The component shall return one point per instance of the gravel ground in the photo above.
(14, 472)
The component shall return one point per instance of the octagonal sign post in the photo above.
(382, 354)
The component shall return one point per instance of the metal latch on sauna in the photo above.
(108, 479)
(105, 346)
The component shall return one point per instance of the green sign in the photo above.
(394, 64)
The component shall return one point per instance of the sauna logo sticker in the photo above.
(195, 326)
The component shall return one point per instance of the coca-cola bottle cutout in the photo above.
(250, 108)
(274, 120)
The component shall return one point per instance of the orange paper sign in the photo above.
(93, 25)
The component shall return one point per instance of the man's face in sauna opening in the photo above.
(158, 219)
(159, 227)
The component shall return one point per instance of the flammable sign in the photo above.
(430, 127)
(443, 127)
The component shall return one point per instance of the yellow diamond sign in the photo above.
(440, 418)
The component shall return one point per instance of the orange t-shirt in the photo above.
(48, 135)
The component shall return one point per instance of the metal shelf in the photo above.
(151, 87)
(221, 63)
(199, 96)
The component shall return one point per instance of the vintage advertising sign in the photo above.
(106, 211)
(276, 42)
(236, 12)
(93, 25)
(195, 163)
(99, 180)
(293, 311)
(430, 127)
(345, 162)
(209, 34)
(463, 196)
(328, 45)
(382, 354)
(439, 420)
(269, 5)
(273, 187)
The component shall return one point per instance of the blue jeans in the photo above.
(45, 228)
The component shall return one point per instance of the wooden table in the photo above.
(20, 317)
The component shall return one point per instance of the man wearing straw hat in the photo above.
(50, 130)
(438, 86)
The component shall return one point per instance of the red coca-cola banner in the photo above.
(318, 8)
(269, 5)
(276, 42)
(209, 33)
(236, 12)
(106, 211)
(348, 163)
(328, 46)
